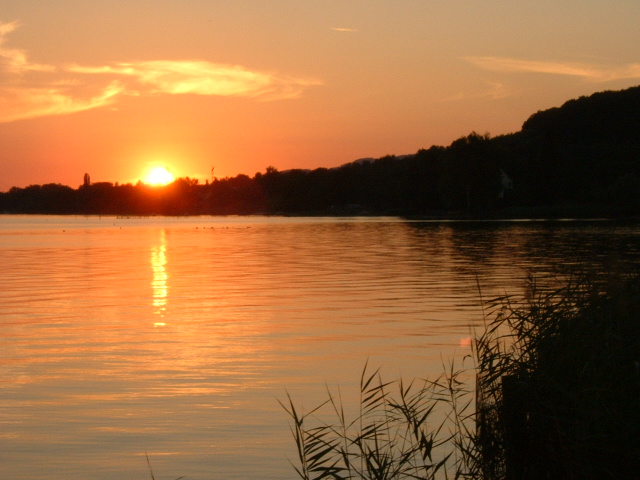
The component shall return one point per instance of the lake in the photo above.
(176, 337)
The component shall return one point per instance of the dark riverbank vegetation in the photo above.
(581, 159)
(557, 397)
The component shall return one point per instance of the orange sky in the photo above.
(114, 88)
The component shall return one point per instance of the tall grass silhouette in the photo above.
(557, 395)
(394, 436)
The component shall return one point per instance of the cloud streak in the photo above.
(24, 103)
(202, 78)
(23, 96)
(586, 71)
(492, 90)
(14, 60)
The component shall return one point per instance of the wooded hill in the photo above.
(580, 159)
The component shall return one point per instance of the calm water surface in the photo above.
(177, 336)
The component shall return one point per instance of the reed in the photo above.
(151, 470)
(400, 431)
(557, 395)
(558, 382)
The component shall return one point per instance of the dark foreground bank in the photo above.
(557, 397)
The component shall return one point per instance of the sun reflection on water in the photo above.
(159, 282)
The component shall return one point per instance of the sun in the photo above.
(158, 176)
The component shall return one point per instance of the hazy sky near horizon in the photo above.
(113, 88)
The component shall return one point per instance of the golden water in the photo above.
(176, 336)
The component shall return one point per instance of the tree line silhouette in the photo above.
(582, 158)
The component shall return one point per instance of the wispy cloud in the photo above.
(202, 78)
(492, 90)
(73, 88)
(589, 72)
(22, 103)
(14, 60)
(342, 29)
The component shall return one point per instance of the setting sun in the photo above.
(158, 176)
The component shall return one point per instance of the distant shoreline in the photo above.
(540, 215)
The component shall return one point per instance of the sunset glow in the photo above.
(158, 176)
(294, 85)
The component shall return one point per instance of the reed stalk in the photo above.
(557, 395)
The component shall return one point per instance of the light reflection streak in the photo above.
(159, 282)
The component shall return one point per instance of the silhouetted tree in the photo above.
(587, 151)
